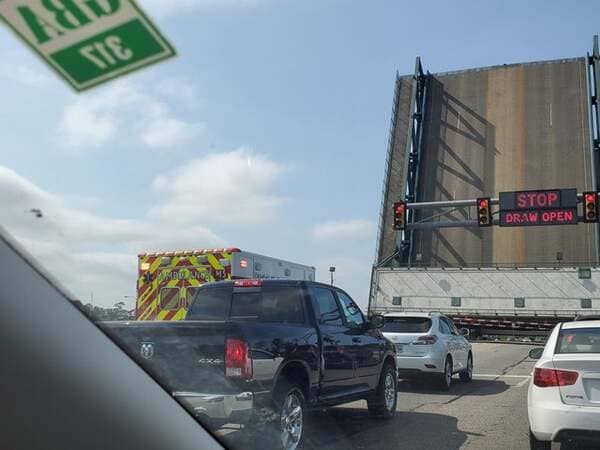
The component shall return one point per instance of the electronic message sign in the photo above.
(542, 207)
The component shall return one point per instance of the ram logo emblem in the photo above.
(147, 350)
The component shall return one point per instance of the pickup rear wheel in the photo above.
(382, 403)
(280, 426)
(291, 409)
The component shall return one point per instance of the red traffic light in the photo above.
(484, 214)
(590, 207)
(399, 215)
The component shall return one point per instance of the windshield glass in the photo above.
(315, 224)
(407, 325)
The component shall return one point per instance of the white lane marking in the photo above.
(523, 383)
(492, 375)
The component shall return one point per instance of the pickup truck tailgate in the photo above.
(185, 355)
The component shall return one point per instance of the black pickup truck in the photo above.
(250, 351)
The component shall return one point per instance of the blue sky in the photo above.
(267, 132)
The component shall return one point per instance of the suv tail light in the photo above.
(552, 378)
(247, 283)
(428, 339)
(238, 363)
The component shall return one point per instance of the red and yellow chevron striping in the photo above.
(167, 281)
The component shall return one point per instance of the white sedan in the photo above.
(563, 401)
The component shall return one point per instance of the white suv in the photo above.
(563, 400)
(429, 343)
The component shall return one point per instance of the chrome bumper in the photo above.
(218, 406)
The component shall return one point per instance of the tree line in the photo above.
(98, 313)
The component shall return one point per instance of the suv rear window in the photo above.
(406, 325)
(270, 304)
(578, 340)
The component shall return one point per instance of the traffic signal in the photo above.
(399, 215)
(590, 207)
(484, 213)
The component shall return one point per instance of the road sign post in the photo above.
(87, 42)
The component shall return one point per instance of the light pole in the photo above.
(332, 271)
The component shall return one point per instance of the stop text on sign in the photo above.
(539, 199)
(561, 216)
(534, 200)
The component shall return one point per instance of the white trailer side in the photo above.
(510, 293)
(253, 265)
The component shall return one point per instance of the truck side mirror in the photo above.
(465, 332)
(377, 321)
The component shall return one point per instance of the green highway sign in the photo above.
(87, 42)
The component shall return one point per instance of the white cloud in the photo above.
(24, 74)
(172, 7)
(166, 131)
(84, 125)
(121, 109)
(180, 89)
(88, 252)
(345, 229)
(232, 186)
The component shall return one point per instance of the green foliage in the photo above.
(98, 314)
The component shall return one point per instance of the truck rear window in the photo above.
(579, 340)
(210, 304)
(270, 304)
(407, 325)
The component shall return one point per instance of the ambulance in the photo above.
(167, 281)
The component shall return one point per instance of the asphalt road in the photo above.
(488, 413)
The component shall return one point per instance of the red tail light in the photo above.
(238, 363)
(553, 378)
(426, 340)
(247, 283)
